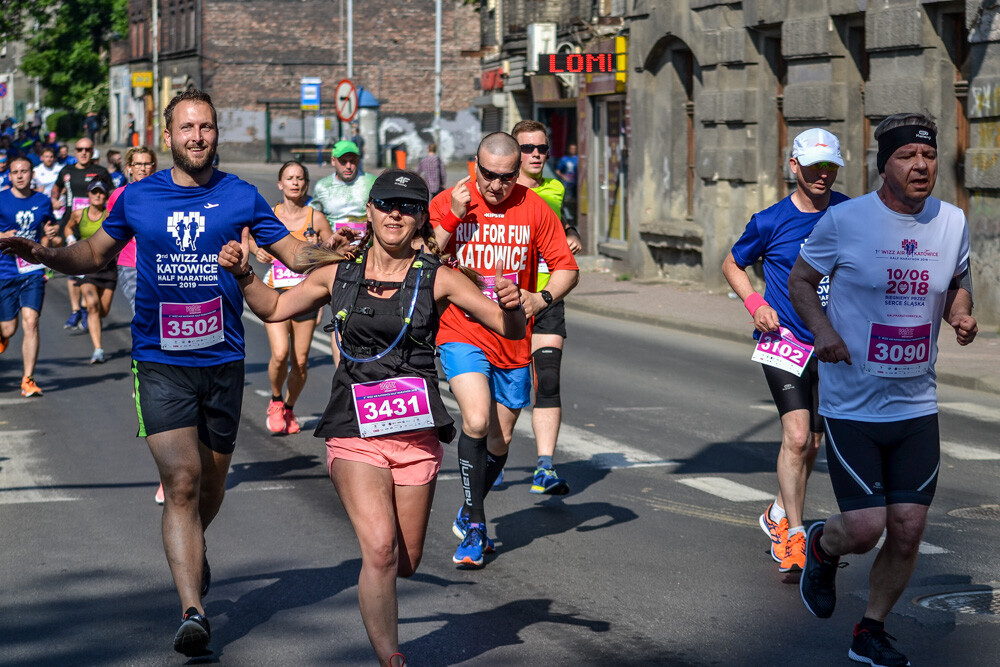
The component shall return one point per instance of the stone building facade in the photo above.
(718, 89)
(250, 55)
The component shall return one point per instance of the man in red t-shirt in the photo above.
(491, 220)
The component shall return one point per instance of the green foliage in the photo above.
(69, 51)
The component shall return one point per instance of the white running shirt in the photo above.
(889, 276)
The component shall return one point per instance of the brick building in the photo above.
(250, 55)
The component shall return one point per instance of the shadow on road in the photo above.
(260, 471)
(552, 517)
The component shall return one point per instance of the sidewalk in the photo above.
(695, 310)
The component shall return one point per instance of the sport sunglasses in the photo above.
(528, 149)
(404, 206)
(493, 176)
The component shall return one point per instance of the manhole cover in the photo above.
(964, 602)
(980, 512)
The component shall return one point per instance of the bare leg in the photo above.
(501, 428)
(301, 340)
(74, 293)
(30, 342)
(472, 391)
(897, 558)
(798, 452)
(92, 303)
(194, 484)
(277, 367)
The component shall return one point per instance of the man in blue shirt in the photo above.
(776, 234)
(187, 335)
(27, 214)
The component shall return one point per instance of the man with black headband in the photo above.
(898, 261)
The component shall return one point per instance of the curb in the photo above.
(984, 383)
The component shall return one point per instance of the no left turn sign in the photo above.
(346, 100)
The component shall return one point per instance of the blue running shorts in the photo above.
(509, 386)
(25, 291)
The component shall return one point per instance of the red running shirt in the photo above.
(517, 233)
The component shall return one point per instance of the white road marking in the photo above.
(578, 444)
(728, 489)
(21, 476)
(924, 548)
(13, 401)
(973, 410)
(968, 452)
(260, 486)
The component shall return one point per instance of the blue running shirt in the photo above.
(27, 216)
(777, 234)
(187, 307)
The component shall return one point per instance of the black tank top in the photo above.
(372, 326)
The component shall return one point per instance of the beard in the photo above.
(193, 167)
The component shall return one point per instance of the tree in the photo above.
(68, 50)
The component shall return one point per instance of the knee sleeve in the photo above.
(547, 361)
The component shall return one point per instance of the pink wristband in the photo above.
(450, 222)
(753, 302)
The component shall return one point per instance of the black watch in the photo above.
(546, 296)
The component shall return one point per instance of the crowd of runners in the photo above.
(475, 274)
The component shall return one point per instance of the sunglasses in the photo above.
(824, 166)
(528, 149)
(404, 206)
(81, 149)
(493, 176)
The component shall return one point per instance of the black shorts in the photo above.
(105, 278)
(791, 392)
(210, 398)
(552, 320)
(873, 464)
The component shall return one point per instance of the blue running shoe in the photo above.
(470, 551)
(499, 480)
(74, 320)
(547, 481)
(461, 527)
(83, 321)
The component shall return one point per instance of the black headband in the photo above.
(892, 140)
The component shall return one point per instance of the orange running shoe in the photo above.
(795, 554)
(3, 344)
(291, 426)
(276, 417)
(158, 497)
(29, 388)
(778, 532)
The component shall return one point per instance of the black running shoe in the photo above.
(193, 636)
(817, 586)
(872, 647)
(206, 574)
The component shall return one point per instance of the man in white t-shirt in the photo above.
(47, 172)
(898, 261)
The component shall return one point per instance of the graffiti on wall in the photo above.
(459, 135)
(984, 101)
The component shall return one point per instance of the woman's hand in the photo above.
(234, 256)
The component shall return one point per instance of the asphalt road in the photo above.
(644, 563)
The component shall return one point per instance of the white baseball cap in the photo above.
(816, 145)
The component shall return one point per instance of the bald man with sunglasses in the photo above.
(489, 221)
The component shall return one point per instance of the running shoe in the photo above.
(795, 554)
(74, 320)
(206, 574)
(3, 344)
(193, 636)
(159, 495)
(470, 551)
(276, 417)
(461, 527)
(83, 321)
(873, 647)
(496, 483)
(778, 532)
(29, 388)
(547, 481)
(818, 586)
(98, 356)
(291, 425)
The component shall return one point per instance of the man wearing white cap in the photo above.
(776, 234)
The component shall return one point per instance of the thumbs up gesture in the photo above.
(508, 295)
(235, 255)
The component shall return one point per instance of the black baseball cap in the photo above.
(400, 184)
(99, 183)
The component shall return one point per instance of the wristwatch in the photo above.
(546, 296)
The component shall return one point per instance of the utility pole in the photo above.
(157, 135)
(437, 76)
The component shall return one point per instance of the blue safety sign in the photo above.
(310, 93)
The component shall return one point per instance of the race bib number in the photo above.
(783, 350)
(27, 267)
(358, 225)
(80, 202)
(898, 352)
(489, 282)
(191, 326)
(392, 406)
(282, 276)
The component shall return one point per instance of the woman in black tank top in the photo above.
(385, 417)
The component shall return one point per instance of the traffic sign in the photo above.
(310, 93)
(346, 100)
(3, 90)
